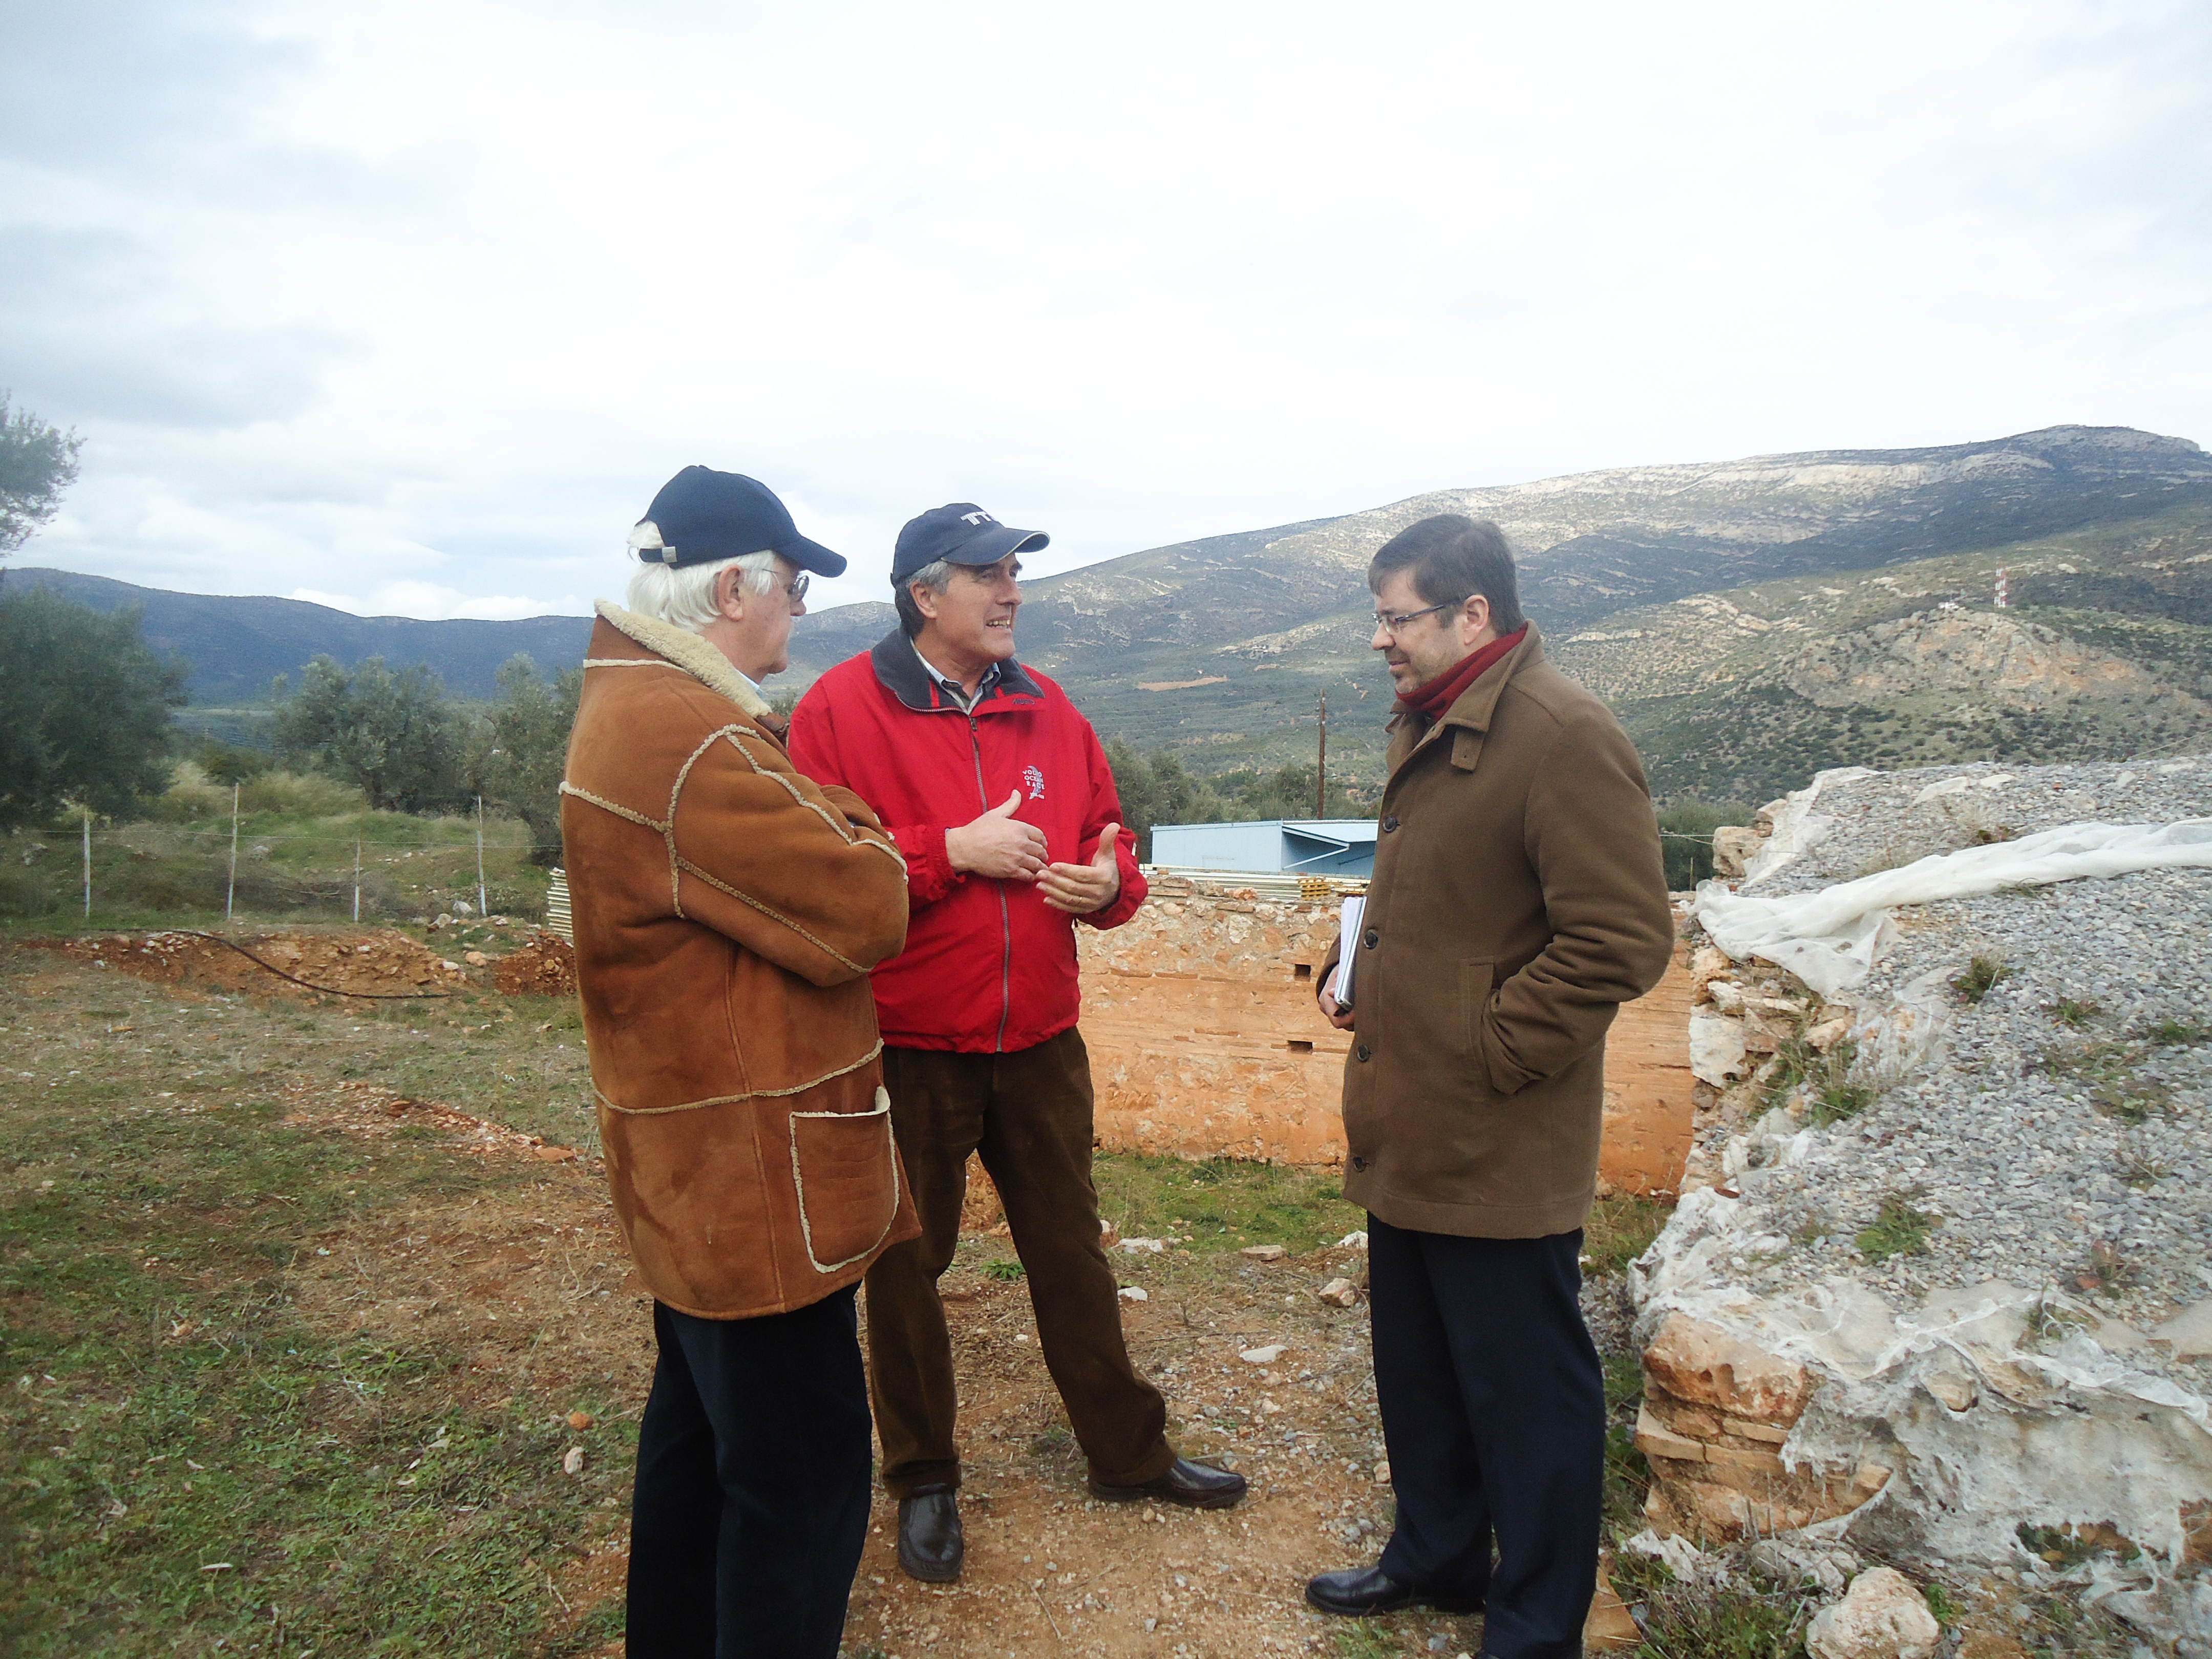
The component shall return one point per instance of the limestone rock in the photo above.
(1264, 1252)
(1610, 1626)
(1708, 963)
(1715, 1048)
(1828, 1033)
(1265, 1356)
(1882, 1616)
(1703, 1366)
(1732, 846)
(2189, 1332)
(1339, 1293)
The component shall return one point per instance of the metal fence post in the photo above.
(483, 905)
(87, 864)
(230, 895)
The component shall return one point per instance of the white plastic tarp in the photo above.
(1830, 938)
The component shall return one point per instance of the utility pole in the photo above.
(1320, 766)
(230, 897)
(483, 907)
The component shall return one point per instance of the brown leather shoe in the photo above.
(1193, 1486)
(930, 1547)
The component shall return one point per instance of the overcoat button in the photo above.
(1364, 1051)
(1358, 1163)
(1389, 824)
(1370, 938)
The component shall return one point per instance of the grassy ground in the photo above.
(286, 1368)
(192, 1461)
(297, 838)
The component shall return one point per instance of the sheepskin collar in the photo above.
(687, 652)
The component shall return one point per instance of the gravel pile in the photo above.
(2065, 1141)
(1880, 822)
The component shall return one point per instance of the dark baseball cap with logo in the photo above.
(701, 514)
(960, 533)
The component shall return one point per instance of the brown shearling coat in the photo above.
(1518, 899)
(726, 912)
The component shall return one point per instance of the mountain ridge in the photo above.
(1221, 645)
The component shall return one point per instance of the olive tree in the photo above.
(394, 735)
(84, 708)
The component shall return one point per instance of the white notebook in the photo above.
(1340, 982)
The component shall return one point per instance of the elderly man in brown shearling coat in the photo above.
(728, 910)
(1518, 899)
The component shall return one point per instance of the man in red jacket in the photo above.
(999, 795)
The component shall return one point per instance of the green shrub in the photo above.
(1982, 975)
(1686, 836)
(1898, 1228)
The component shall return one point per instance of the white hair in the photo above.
(936, 576)
(684, 595)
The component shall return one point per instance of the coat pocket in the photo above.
(846, 1168)
(1476, 980)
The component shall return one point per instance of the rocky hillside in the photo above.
(1222, 646)
(1734, 609)
(2106, 648)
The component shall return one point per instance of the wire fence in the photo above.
(386, 867)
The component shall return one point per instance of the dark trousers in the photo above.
(1028, 1114)
(752, 1485)
(1493, 1409)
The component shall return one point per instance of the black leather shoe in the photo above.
(930, 1547)
(1193, 1486)
(1358, 1591)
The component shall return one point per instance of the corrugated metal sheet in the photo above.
(1323, 847)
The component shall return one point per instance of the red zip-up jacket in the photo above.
(988, 967)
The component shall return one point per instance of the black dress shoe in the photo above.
(930, 1547)
(1193, 1486)
(1358, 1591)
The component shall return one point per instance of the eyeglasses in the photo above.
(1388, 624)
(796, 587)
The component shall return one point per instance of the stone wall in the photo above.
(1206, 1041)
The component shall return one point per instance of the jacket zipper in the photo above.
(1006, 917)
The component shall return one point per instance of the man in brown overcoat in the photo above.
(1518, 899)
(728, 910)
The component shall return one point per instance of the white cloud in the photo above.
(431, 326)
(335, 601)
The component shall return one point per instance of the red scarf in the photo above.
(1441, 693)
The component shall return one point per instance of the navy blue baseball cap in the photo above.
(701, 515)
(959, 533)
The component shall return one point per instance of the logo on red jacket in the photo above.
(1034, 779)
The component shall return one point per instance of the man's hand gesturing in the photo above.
(998, 844)
(1081, 889)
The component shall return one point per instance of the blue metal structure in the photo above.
(1297, 846)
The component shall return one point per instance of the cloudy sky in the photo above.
(412, 307)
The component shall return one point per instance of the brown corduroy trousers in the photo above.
(1028, 1114)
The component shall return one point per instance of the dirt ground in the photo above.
(204, 1167)
(526, 1283)
(547, 1303)
(379, 961)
